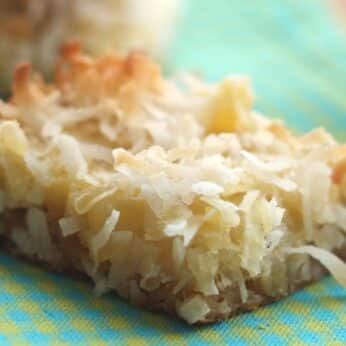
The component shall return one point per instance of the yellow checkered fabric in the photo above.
(297, 58)
(37, 308)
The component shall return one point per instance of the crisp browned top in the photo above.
(84, 80)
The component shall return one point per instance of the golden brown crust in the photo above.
(107, 75)
(28, 88)
(339, 171)
(79, 77)
(21, 78)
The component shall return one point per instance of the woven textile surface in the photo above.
(296, 55)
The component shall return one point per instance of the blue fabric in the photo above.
(296, 55)
(40, 308)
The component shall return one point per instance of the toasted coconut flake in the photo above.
(264, 173)
(39, 232)
(174, 229)
(69, 226)
(13, 138)
(178, 252)
(207, 188)
(71, 155)
(101, 238)
(334, 264)
(85, 201)
(194, 309)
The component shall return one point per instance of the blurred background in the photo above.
(293, 50)
(295, 53)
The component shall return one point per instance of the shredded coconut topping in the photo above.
(184, 189)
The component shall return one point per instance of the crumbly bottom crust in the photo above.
(228, 303)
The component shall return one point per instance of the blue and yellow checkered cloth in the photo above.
(37, 308)
(297, 57)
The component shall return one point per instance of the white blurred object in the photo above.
(34, 30)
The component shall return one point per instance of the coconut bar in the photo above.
(176, 195)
